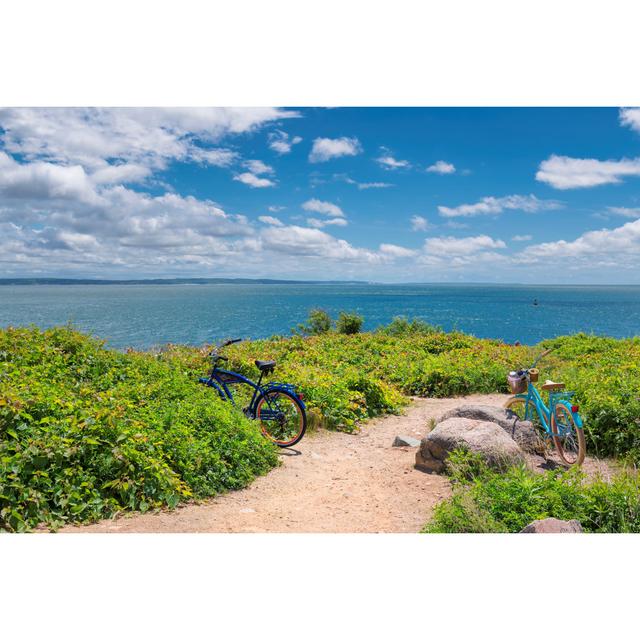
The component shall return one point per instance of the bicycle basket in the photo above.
(517, 382)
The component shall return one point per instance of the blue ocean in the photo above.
(147, 315)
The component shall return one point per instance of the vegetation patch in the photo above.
(86, 431)
(485, 501)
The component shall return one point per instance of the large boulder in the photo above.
(480, 436)
(553, 525)
(522, 431)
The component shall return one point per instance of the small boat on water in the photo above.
(535, 302)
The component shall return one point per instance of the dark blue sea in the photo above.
(143, 316)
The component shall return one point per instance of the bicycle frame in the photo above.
(220, 379)
(546, 412)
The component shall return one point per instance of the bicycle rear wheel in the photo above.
(526, 409)
(282, 417)
(567, 437)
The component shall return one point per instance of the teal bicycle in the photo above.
(559, 421)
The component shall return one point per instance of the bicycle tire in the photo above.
(572, 446)
(277, 422)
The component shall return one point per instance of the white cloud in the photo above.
(44, 180)
(630, 118)
(363, 185)
(442, 167)
(419, 223)
(324, 149)
(494, 206)
(374, 185)
(523, 238)
(318, 224)
(321, 206)
(120, 174)
(281, 143)
(450, 246)
(396, 251)
(93, 137)
(274, 208)
(626, 212)
(616, 246)
(313, 243)
(387, 160)
(258, 167)
(254, 181)
(563, 172)
(214, 157)
(274, 222)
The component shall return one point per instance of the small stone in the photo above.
(406, 441)
(553, 525)
(316, 456)
(247, 510)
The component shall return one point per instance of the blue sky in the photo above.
(387, 194)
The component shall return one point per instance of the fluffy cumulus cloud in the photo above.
(618, 247)
(419, 223)
(254, 181)
(441, 167)
(325, 149)
(450, 246)
(313, 243)
(318, 224)
(630, 118)
(275, 222)
(563, 172)
(388, 161)
(93, 137)
(281, 142)
(495, 206)
(321, 206)
(396, 251)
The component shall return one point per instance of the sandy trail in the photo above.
(333, 482)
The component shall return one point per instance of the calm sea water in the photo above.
(146, 315)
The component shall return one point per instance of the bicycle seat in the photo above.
(549, 385)
(266, 365)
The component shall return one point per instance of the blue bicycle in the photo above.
(559, 421)
(278, 407)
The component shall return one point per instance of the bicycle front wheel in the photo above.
(568, 438)
(282, 417)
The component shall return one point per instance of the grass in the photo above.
(86, 431)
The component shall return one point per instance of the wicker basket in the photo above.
(517, 382)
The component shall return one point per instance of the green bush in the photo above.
(402, 326)
(317, 323)
(349, 323)
(485, 501)
(86, 432)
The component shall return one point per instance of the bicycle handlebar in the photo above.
(228, 342)
(546, 352)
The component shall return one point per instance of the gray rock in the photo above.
(522, 431)
(406, 441)
(553, 525)
(485, 438)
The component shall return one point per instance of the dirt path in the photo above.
(336, 483)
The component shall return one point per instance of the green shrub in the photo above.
(349, 323)
(485, 501)
(402, 326)
(86, 432)
(317, 323)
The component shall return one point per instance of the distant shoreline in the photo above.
(205, 281)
